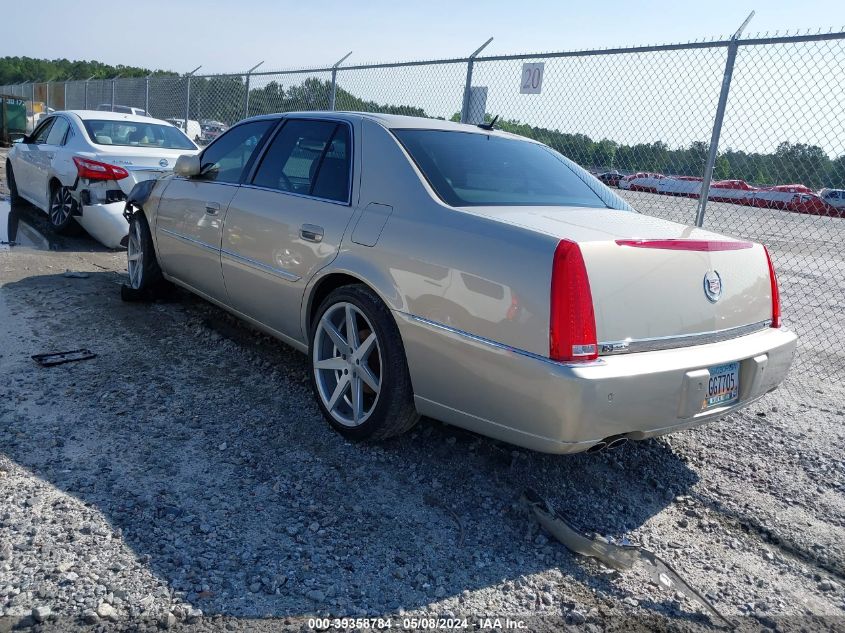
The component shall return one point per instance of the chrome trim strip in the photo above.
(278, 272)
(628, 346)
(142, 168)
(496, 345)
(297, 195)
(189, 240)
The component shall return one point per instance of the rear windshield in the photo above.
(468, 169)
(133, 134)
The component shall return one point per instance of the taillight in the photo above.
(95, 170)
(572, 322)
(773, 278)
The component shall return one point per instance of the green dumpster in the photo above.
(12, 118)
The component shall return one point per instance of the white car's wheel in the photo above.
(61, 210)
(359, 371)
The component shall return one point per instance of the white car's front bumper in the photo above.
(105, 223)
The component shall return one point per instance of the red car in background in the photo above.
(812, 204)
(735, 191)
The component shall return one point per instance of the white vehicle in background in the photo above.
(834, 197)
(79, 166)
(122, 109)
(35, 115)
(193, 130)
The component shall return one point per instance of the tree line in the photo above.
(14, 70)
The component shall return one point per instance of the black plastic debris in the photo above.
(59, 358)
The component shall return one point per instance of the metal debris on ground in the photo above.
(58, 358)
(618, 557)
(73, 274)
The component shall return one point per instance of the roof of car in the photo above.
(393, 121)
(104, 115)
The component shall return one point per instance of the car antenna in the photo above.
(489, 126)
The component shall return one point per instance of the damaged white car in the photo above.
(78, 167)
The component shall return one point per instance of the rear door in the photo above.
(288, 221)
(43, 159)
(190, 217)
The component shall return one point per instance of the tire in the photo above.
(145, 277)
(60, 211)
(383, 412)
(10, 181)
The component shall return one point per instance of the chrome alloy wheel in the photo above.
(61, 205)
(347, 363)
(135, 255)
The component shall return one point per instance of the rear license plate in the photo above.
(723, 386)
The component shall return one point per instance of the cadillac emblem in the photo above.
(163, 162)
(712, 286)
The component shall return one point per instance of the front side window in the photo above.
(466, 169)
(58, 131)
(309, 158)
(225, 159)
(39, 136)
(134, 134)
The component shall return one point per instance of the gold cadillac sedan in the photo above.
(463, 273)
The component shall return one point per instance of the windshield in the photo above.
(468, 169)
(133, 134)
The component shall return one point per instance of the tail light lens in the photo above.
(773, 278)
(95, 170)
(572, 323)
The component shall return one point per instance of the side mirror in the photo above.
(21, 139)
(187, 166)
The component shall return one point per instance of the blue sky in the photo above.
(223, 35)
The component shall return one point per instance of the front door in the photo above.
(288, 221)
(189, 222)
(26, 168)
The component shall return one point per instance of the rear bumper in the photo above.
(105, 223)
(551, 407)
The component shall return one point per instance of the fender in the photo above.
(354, 264)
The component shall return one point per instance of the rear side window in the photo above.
(58, 132)
(309, 158)
(467, 169)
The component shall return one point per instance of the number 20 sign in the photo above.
(531, 80)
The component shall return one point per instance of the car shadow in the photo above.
(199, 440)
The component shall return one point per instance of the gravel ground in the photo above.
(184, 478)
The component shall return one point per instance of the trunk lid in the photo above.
(142, 163)
(653, 280)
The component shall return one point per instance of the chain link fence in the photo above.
(756, 123)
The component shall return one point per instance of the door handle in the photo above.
(211, 208)
(311, 232)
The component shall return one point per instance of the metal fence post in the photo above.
(470, 62)
(333, 93)
(733, 46)
(147, 94)
(246, 97)
(64, 98)
(86, 90)
(188, 97)
(47, 97)
(113, 86)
